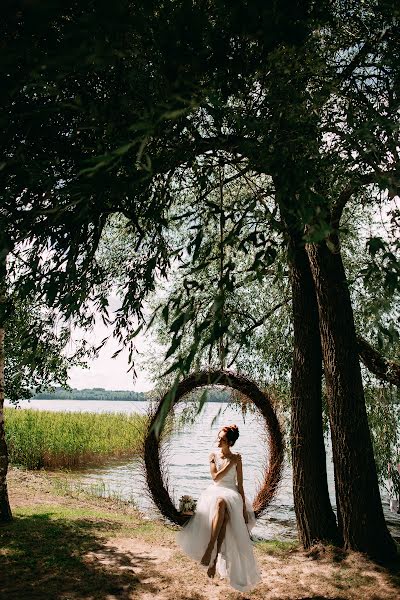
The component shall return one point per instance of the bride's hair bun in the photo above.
(232, 433)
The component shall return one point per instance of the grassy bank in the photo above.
(44, 439)
(64, 545)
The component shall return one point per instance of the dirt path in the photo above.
(79, 548)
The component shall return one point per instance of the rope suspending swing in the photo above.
(221, 266)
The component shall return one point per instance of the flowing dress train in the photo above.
(236, 560)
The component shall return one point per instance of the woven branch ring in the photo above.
(156, 481)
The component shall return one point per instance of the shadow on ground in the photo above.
(323, 598)
(43, 558)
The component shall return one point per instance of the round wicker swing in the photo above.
(155, 475)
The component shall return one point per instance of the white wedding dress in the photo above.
(236, 560)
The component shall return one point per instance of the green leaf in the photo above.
(374, 245)
(174, 345)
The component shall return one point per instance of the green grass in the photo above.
(99, 489)
(344, 581)
(44, 439)
(277, 547)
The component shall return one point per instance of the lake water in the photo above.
(187, 463)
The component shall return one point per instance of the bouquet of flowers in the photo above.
(394, 477)
(187, 505)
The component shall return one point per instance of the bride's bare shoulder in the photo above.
(238, 457)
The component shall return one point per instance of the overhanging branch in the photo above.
(383, 368)
(392, 181)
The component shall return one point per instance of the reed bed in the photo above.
(65, 440)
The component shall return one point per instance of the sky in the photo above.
(105, 371)
(110, 373)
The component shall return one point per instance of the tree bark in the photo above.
(360, 514)
(316, 520)
(5, 510)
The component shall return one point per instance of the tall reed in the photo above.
(38, 438)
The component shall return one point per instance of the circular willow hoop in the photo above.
(157, 482)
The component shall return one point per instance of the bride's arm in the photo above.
(215, 474)
(239, 473)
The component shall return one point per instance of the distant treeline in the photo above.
(213, 395)
(91, 394)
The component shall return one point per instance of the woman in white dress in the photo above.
(218, 533)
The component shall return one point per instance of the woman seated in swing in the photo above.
(218, 533)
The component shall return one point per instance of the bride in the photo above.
(218, 533)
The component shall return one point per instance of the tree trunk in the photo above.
(360, 514)
(5, 510)
(315, 518)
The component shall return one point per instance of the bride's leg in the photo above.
(215, 529)
(220, 539)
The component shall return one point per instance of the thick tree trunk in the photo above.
(5, 510)
(360, 514)
(315, 518)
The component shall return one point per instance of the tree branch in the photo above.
(393, 181)
(383, 368)
(367, 48)
(338, 207)
(258, 322)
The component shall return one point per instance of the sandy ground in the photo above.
(148, 563)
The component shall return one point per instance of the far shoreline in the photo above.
(98, 394)
(94, 400)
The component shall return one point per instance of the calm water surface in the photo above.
(187, 463)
